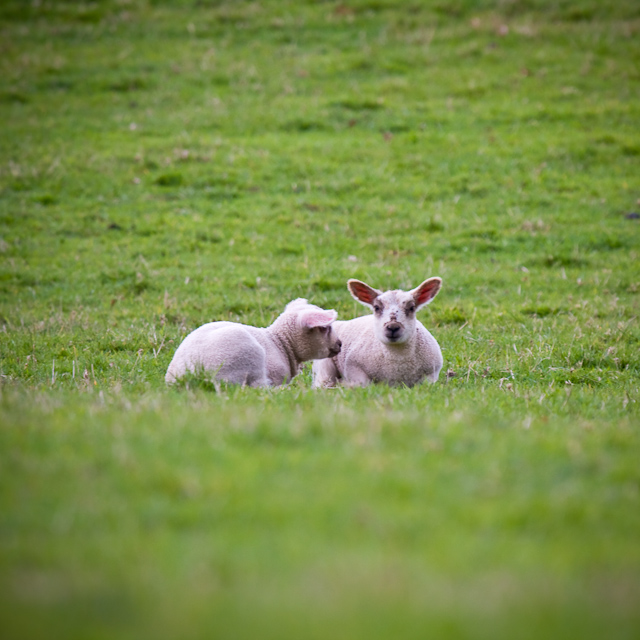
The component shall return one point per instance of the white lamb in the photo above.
(258, 357)
(389, 346)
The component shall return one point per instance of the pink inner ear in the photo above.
(427, 291)
(320, 318)
(363, 293)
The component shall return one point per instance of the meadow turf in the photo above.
(165, 164)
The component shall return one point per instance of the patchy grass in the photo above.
(167, 164)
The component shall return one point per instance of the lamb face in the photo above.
(313, 335)
(394, 311)
(395, 314)
(320, 342)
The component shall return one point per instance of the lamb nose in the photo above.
(393, 328)
(338, 344)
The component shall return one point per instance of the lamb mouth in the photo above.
(399, 338)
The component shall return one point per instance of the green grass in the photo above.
(165, 164)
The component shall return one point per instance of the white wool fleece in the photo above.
(258, 357)
(390, 346)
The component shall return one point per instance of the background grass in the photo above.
(164, 164)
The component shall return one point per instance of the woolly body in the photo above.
(257, 357)
(364, 360)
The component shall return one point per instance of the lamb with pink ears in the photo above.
(258, 357)
(389, 346)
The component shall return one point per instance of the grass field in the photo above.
(165, 164)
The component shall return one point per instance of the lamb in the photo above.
(389, 346)
(258, 357)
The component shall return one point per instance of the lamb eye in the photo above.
(411, 308)
(377, 308)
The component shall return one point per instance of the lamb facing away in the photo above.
(258, 357)
(389, 346)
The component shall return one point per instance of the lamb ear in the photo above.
(426, 292)
(362, 292)
(317, 318)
